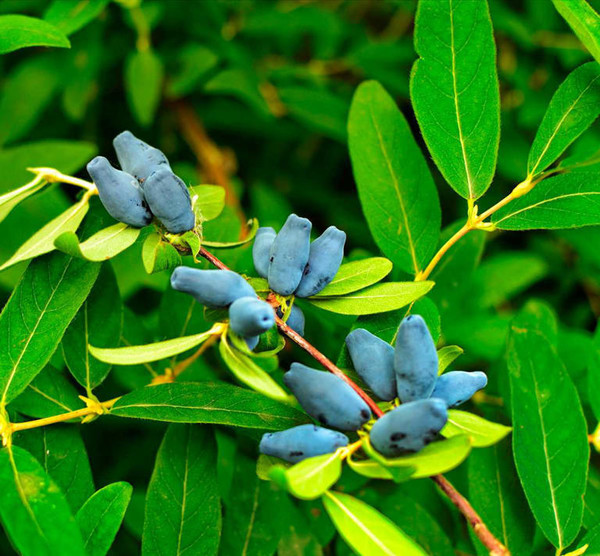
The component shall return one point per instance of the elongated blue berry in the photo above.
(295, 319)
(250, 316)
(120, 193)
(261, 250)
(137, 157)
(301, 442)
(327, 398)
(409, 427)
(373, 360)
(169, 201)
(252, 342)
(289, 255)
(456, 387)
(213, 288)
(324, 260)
(416, 360)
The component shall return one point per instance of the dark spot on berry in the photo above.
(364, 413)
(296, 454)
(271, 259)
(397, 436)
(322, 419)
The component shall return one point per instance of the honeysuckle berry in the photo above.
(120, 193)
(373, 360)
(409, 428)
(301, 442)
(289, 255)
(416, 360)
(213, 288)
(261, 250)
(327, 398)
(324, 260)
(137, 157)
(250, 316)
(456, 387)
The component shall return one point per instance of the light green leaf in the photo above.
(311, 477)
(69, 16)
(584, 21)
(210, 201)
(10, 200)
(143, 81)
(183, 510)
(251, 232)
(249, 373)
(100, 518)
(158, 255)
(205, 402)
(42, 241)
(566, 201)
(550, 434)
(374, 299)
(447, 355)
(39, 310)
(103, 245)
(573, 108)
(370, 468)
(395, 187)
(454, 90)
(20, 31)
(99, 322)
(356, 275)
(365, 529)
(481, 431)
(134, 355)
(497, 496)
(34, 513)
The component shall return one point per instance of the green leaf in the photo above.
(217, 403)
(481, 432)
(573, 108)
(249, 373)
(99, 322)
(395, 187)
(311, 477)
(183, 510)
(592, 539)
(103, 245)
(210, 201)
(356, 275)
(566, 201)
(550, 435)
(454, 90)
(39, 310)
(143, 82)
(251, 232)
(584, 21)
(194, 63)
(20, 31)
(10, 200)
(374, 299)
(133, 355)
(62, 454)
(50, 393)
(34, 513)
(242, 84)
(366, 530)
(100, 518)
(158, 255)
(447, 355)
(497, 496)
(42, 241)
(594, 374)
(69, 16)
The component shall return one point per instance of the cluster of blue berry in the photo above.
(408, 372)
(144, 187)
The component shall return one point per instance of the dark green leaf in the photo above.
(69, 16)
(143, 81)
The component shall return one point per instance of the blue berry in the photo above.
(373, 360)
(301, 442)
(120, 193)
(324, 260)
(456, 387)
(416, 360)
(213, 288)
(136, 157)
(289, 255)
(250, 316)
(296, 320)
(169, 200)
(261, 250)
(327, 398)
(252, 342)
(409, 428)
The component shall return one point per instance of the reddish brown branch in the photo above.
(495, 547)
